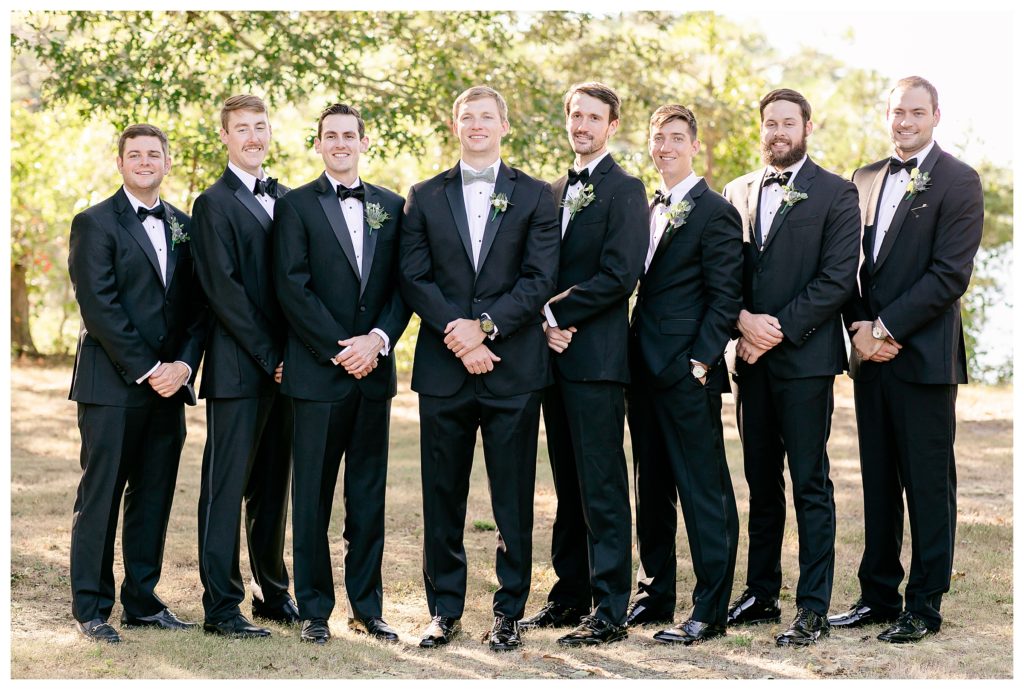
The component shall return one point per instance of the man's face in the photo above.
(247, 139)
(911, 116)
(783, 134)
(339, 145)
(672, 149)
(143, 165)
(480, 128)
(588, 125)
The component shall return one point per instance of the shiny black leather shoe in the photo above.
(750, 609)
(859, 615)
(315, 631)
(165, 620)
(806, 629)
(374, 627)
(237, 626)
(504, 635)
(98, 630)
(286, 613)
(554, 615)
(441, 631)
(907, 628)
(690, 632)
(639, 613)
(593, 631)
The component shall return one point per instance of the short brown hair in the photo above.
(340, 109)
(135, 131)
(243, 101)
(918, 82)
(597, 90)
(673, 111)
(475, 93)
(791, 96)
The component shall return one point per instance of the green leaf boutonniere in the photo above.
(500, 204)
(178, 234)
(577, 203)
(376, 216)
(790, 197)
(677, 213)
(919, 182)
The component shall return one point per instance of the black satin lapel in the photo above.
(369, 238)
(249, 201)
(130, 221)
(329, 202)
(503, 185)
(453, 190)
(172, 251)
(802, 183)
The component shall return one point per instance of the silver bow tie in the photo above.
(471, 176)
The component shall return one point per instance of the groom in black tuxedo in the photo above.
(800, 235)
(138, 351)
(923, 214)
(336, 271)
(248, 421)
(479, 252)
(688, 301)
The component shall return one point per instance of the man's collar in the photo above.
(248, 180)
(336, 184)
(592, 164)
(136, 203)
(919, 155)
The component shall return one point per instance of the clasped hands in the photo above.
(760, 333)
(558, 338)
(360, 354)
(465, 339)
(168, 377)
(870, 348)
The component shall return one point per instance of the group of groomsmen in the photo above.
(298, 297)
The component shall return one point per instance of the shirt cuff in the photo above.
(886, 330)
(150, 373)
(387, 341)
(189, 377)
(549, 315)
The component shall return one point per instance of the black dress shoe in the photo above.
(165, 620)
(690, 632)
(504, 635)
(908, 627)
(98, 630)
(750, 609)
(236, 626)
(639, 613)
(859, 615)
(593, 631)
(286, 613)
(805, 629)
(374, 627)
(441, 631)
(554, 615)
(315, 631)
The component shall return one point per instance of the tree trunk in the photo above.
(21, 335)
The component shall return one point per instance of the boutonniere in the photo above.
(919, 182)
(376, 216)
(178, 234)
(790, 197)
(577, 203)
(500, 204)
(677, 213)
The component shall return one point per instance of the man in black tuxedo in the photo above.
(336, 271)
(800, 231)
(689, 298)
(248, 421)
(479, 252)
(604, 240)
(923, 212)
(138, 350)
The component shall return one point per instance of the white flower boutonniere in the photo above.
(677, 213)
(178, 234)
(577, 203)
(790, 197)
(376, 216)
(500, 204)
(919, 182)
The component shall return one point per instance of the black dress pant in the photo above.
(906, 433)
(247, 458)
(509, 427)
(132, 451)
(591, 549)
(788, 419)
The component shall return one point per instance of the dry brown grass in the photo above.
(976, 640)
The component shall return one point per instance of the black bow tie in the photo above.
(662, 198)
(581, 176)
(358, 192)
(267, 186)
(156, 212)
(779, 178)
(895, 165)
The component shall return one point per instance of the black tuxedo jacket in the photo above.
(322, 295)
(690, 295)
(233, 250)
(518, 262)
(806, 270)
(602, 256)
(923, 268)
(131, 320)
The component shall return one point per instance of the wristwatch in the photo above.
(877, 332)
(486, 325)
(698, 369)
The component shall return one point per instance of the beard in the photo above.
(797, 150)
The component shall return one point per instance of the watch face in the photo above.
(699, 371)
(876, 332)
(487, 326)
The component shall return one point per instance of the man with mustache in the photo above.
(800, 235)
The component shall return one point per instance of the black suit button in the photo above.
(874, 286)
(760, 271)
(160, 338)
(362, 307)
(476, 300)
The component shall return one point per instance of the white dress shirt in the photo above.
(477, 197)
(267, 202)
(892, 194)
(771, 197)
(659, 219)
